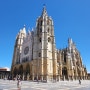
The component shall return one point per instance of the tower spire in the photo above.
(44, 12)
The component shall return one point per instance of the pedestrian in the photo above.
(9, 78)
(19, 84)
(37, 81)
(79, 81)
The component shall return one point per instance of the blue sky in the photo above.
(71, 19)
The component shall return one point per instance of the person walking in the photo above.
(19, 84)
(79, 81)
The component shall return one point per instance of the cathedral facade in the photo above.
(35, 55)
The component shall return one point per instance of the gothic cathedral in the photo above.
(35, 55)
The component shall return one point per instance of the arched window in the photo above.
(40, 39)
(64, 59)
(47, 22)
(48, 30)
(49, 39)
(39, 55)
(64, 55)
(41, 23)
(38, 24)
(40, 30)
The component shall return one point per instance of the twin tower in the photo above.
(35, 55)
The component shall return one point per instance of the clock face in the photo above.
(26, 50)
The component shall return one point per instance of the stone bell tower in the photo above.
(44, 51)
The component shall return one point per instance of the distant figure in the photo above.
(19, 84)
(37, 80)
(9, 78)
(79, 81)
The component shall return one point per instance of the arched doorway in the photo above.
(64, 73)
(27, 73)
(27, 69)
(15, 72)
(75, 74)
(21, 71)
(78, 70)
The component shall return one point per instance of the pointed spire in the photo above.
(24, 29)
(70, 41)
(70, 44)
(44, 12)
(29, 32)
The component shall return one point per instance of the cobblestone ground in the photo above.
(29, 85)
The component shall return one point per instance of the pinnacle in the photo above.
(44, 12)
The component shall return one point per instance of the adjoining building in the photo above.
(88, 76)
(4, 72)
(35, 55)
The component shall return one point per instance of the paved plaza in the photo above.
(29, 85)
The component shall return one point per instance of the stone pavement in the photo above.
(29, 85)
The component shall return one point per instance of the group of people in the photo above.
(19, 83)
